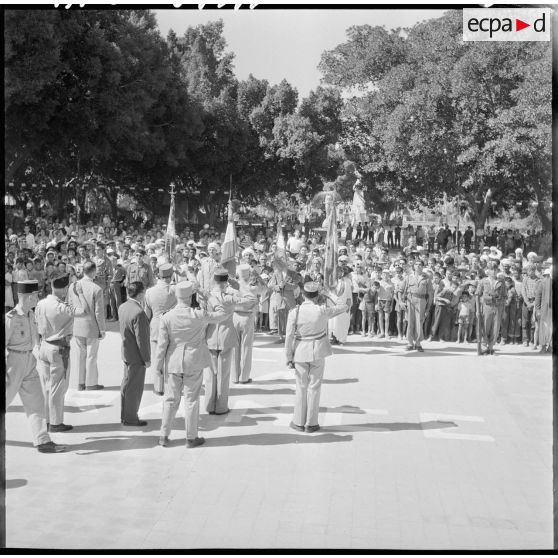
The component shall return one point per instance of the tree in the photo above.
(101, 104)
(435, 111)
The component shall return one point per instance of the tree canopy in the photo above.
(439, 115)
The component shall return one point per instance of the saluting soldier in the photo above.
(306, 347)
(492, 293)
(182, 352)
(158, 300)
(222, 339)
(55, 322)
(416, 290)
(22, 340)
(243, 320)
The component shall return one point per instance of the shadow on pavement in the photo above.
(208, 425)
(272, 439)
(255, 391)
(271, 382)
(341, 381)
(289, 409)
(15, 483)
(390, 426)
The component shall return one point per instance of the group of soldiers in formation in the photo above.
(191, 323)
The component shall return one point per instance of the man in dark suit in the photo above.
(136, 353)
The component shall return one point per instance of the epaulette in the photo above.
(11, 313)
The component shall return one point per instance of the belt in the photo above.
(311, 338)
(243, 313)
(58, 343)
(418, 295)
(18, 351)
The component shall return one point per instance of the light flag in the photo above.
(228, 250)
(330, 266)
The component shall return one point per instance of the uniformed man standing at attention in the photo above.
(492, 294)
(306, 346)
(22, 340)
(243, 319)
(222, 339)
(416, 290)
(182, 352)
(55, 321)
(158, 300)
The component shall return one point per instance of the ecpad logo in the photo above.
(506, 24)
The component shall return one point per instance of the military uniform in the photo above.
(493, 294)
(243, 320)
(158, 300)
(222, 339)
(306, 346)
(104, 275)
(183, 353)
(55, 321)
(21, 371)
(416, 291)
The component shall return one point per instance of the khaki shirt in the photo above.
(21, 330)
(55, 318)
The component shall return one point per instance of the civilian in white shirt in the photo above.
(29, 237)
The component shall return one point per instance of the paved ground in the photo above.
(436, 450)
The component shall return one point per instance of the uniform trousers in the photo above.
(158, 380)
(131, 391)
(190, 382)
(85, 351)
(309, 377)
(416, 308)
(22, 378)
(242, 353)
(216, 380)
(115, 298)
(53, 370)
(492, 317)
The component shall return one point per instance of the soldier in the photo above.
(104, 274)
(243, 320)
(492, 294)
(306, 346)
(221, 340)
(158, 300)
(55, 321)
(22, 340)
(208, 266)
(416, 290)
(182, 352)
(284, 289)
(139, 270)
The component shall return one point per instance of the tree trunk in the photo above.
(541, 207)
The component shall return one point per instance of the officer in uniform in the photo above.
(306, 346)
(222, 339)
(208, 266)
(243, 320)
(182, 352)
(492, 294)
(104, 273)
(22, 340)
(55, 321)
(158, 300)
(417, 289)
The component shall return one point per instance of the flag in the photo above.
(228, 250)
(330, 264)
(280, 255)
(170, 235)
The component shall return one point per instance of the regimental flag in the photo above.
(280, 255)
(230, 244)
(170, 235)
(330, 265)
